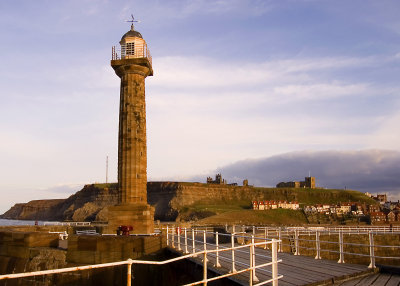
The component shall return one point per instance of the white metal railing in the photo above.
(63, 235)
(297, 236)
(87, 232)
(345, 229)
(127, 51)
(70, 223)
(204, 253)
(348, 229)
(179, 239)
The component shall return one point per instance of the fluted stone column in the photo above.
(132, 150)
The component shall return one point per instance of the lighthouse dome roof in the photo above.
(132, 33)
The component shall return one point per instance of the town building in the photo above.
(218, 180)
(382, 198)
(391, 217)
(377, 217)
(345, 208)
(271, 205)
(373, 208)
(342, 209)
(322, 208)
(309, 182)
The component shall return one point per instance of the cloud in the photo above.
(277, 81)
(387, 136)
(200, 72)
(375, 171)
(228, 111)
(316, 91)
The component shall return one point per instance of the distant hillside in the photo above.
(193, 201)
(175, 201)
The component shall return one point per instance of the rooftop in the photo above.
(132, 33)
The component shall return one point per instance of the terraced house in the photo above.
(270, 205)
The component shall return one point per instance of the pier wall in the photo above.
(86, 249)
(28, 251)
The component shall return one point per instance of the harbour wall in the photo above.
(27, 249)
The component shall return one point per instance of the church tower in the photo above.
(132, 65)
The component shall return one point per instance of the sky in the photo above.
(239, 81)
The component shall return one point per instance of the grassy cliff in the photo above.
(206, 202)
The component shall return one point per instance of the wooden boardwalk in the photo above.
(297, 270)
(378, 279)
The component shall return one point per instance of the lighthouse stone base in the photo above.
(139, 216)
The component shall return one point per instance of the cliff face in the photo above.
(87, 203)
(82, 206)
(33, 210)
(90, 203)
(169, 200)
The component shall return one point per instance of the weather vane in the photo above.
(132, 21)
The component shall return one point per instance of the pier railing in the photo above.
(201, 249)
(195, 240)
(67, 223)
(367, 244)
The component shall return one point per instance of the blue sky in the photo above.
(233, 80)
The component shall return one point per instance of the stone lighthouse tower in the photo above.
(133, 64)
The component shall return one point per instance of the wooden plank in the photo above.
(241, 278)
(368, 280)
(382, 279)
(330, 263)
(319, 265)
(332, 271)
(290, 271)
(319, 261)
(303, 275)
(299, 275)
(333, 268)
(394, 280)
(352, 282)
(305, 269)
(260, 274)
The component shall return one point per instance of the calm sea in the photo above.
(21, 222)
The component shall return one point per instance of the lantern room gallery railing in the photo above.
(129, 51)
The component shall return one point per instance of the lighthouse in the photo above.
(132, 63)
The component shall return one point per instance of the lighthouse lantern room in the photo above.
(132, 46)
